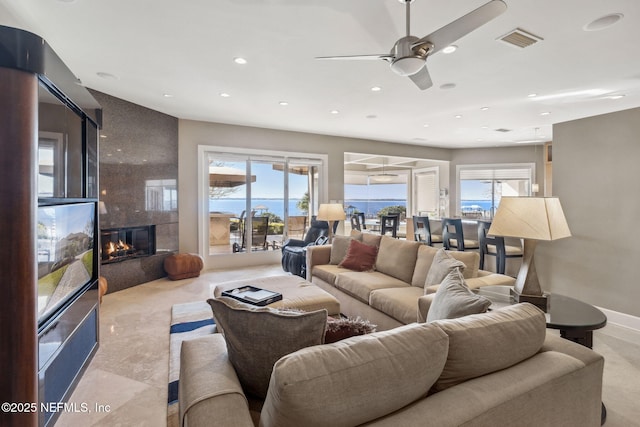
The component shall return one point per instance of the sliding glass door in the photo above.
(257, 200)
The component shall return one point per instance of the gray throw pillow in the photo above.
(454, 299)
(442, 265)
(257, 337)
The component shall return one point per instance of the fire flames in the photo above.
(113, 249)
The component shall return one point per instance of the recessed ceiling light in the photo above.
(545, 113)
(447, 86)
(484, 127)
(484, 108)
(107, 76)
(119, 149)
(376, 89)
(335, 112)
(240, 60)
(458, 116)
(603, 22)
(225, 95)
(283, 103)
(450, 49)
(532, 95)
(616, 96)
(426, 125)
(167, 95)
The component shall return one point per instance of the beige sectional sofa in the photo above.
(395, 293)
(500, 368)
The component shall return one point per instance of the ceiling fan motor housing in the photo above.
(406, 61)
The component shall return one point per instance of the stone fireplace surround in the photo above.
(138, 153)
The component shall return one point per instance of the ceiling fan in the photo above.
(409, 54)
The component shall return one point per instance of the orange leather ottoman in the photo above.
(183, 266)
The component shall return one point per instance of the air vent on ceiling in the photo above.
(503, 130)
(520, 38)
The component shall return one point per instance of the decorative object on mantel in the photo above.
(530, 219)
(331, 212)
(183, 266)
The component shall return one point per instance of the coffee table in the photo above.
(575, 319)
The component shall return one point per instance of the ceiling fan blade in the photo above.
(384, 56)
(464, 25)
(422, 79)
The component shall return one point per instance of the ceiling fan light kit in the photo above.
(409, 54)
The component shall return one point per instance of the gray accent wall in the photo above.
(596, 171)
(138, 149)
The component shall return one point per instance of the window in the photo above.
(480, 187)
(258, 199)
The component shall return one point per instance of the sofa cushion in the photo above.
(339, 248)
(454, 299)
(483, 343)
(354, 380)
(258, 336)
(397, 258)
(424, 260)
(471, 262)
(372, 239)
(328, 272)
(399, 303)
(360, 284)
(443, 264)
(360, 257)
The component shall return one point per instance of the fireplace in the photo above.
(119, 244)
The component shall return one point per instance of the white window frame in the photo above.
(495, 166)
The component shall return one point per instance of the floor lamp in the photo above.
(331, 212)
(530, 219)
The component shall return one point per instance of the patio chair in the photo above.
(259, 230)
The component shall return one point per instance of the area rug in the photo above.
(188, 321)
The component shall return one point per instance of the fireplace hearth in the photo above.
(120, 244)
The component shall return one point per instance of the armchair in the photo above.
(294, 251)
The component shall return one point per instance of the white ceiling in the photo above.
(186, 49)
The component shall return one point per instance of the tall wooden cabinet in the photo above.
(48, 228)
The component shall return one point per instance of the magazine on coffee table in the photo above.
(253, 295)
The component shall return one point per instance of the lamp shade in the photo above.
(537, 218)
(331, 212)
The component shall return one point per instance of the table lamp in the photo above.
(530, 219)
(331, 212)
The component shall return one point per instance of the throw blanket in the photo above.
(190, 320)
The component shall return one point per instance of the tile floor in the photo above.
(130, 370)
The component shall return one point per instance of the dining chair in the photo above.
(495, 246)
(389, 223)
(422, 231)
(453, 236)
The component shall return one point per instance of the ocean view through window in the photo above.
(255, 198)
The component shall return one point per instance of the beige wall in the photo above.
(193, 133)
(596, 175)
